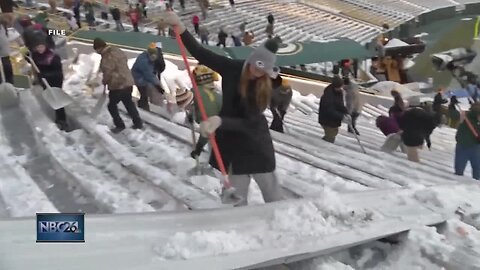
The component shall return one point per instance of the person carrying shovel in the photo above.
(212, 100)
(50, 68)
(241, 130)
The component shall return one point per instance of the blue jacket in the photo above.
(143, 71)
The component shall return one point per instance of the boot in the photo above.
(137, 126)
(194, 154)
(117, 130)
(62, 125)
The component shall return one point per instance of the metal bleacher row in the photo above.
(293, 22)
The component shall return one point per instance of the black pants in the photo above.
(202, 141)
(125, 96)
(143, 101)
(221, 42)
(196, 26)
(135, 27)
(354, 116)
(7, 68)
(78, 19)
(277, 122)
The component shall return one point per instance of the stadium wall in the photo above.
(436, 15)
(472, 9)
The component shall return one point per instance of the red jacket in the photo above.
(195, 19)
(134, 16)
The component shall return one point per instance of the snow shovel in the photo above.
(5, 86)
(392, 142)
(100, 103)
(283, 123)
(54, 96)
(228, 195)
(350, 125)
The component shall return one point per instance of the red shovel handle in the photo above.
(203, 113)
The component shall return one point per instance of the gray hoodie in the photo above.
(352, 98)
(4, 43)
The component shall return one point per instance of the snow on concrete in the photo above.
(18, 191)
(90, 178)
(288, 226)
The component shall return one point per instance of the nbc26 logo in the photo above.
(59, 227)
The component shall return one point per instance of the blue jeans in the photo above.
(464, 154)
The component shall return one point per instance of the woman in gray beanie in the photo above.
(241, 129)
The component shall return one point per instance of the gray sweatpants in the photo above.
(267, 182)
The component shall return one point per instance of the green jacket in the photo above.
(212, 101)
(464, 134)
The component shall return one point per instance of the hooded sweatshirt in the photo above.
(143, 71)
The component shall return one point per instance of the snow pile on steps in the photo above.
(111, 195)
(141, 166)
(287, 226)
(97, 156)
(18, 191)
(263, 235)
(454, 246)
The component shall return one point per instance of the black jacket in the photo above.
(115, 14)
(332, 108)
(438, 100)
(159, 64)
(50, 66)
(417, 126)
(243, 138)
(222, 36)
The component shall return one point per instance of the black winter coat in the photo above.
(159, 64)
(417, 126)
(50, 66)
(115, 14)
(332, 108)
(243, 138)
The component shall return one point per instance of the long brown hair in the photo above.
(260, 98)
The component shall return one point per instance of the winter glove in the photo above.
(171, 19)
(429, 145)
(160, 89)
(208, 127)
(347, 119)
(23, 51)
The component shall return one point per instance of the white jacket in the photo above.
(352, 98)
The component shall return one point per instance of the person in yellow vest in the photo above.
(211, 98)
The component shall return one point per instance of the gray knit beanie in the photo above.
(264, 58)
